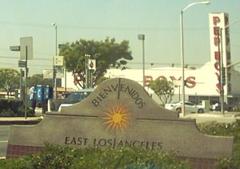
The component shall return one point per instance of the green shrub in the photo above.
(60, 157)
(236, 108)
(225, 129)
(13, 108)
(10, 103)
(7, 113)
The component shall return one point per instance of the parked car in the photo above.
(75, 97)
(189, 107)
(217, 107)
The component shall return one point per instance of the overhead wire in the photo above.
(41, 25)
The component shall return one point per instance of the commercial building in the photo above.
(202, 83)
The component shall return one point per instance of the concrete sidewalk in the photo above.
(227, 117)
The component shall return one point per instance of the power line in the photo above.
(16, 63)
(42, 25)
(42, 59)
(26, 24)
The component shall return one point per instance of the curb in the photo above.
(20, 121)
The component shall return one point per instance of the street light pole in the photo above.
(182, 62)
(182, 49)
(142, 37)
(222, 71)
(54, 70)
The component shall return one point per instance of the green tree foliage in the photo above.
(13, 108)
(60, 157)
(37, 79)
(9, 80)
(164, 89)
(108, 53)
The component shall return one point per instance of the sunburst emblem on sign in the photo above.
(116, 117)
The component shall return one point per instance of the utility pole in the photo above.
(26, 53)
(26, 75)
(21, 84)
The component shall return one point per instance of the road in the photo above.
(4, 132)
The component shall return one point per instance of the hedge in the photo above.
(13, 108)
(61, 157)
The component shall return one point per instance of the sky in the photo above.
(119, 19)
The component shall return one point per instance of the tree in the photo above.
(9, 80)
(37, 79)
(107, 53)
(164, 89)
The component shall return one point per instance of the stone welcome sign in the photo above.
(120, 113)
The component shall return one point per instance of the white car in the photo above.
(189, 107)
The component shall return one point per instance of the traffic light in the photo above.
(223, 76)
